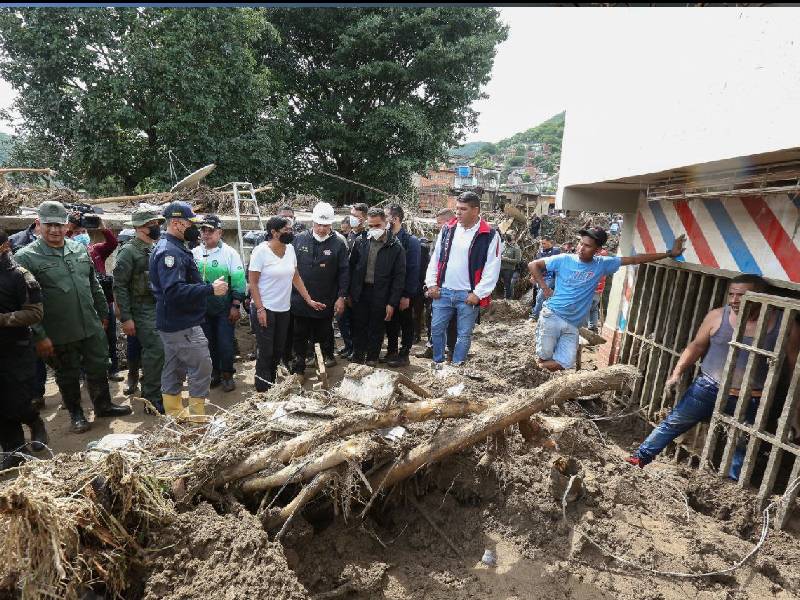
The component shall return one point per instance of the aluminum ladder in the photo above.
(245, 205)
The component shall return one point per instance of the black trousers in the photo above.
(306, 332)
(368, 323)
(270, 344)
(418, 306)
(452, 331)
(17, 383)
(402, 321)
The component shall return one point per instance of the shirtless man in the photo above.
(712, 344)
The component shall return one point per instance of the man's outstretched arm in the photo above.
(677, 249)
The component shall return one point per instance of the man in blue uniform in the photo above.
(181, 298)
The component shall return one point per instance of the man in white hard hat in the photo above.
(322, 263)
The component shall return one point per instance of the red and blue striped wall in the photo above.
(750, 234)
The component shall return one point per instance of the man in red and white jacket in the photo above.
(462, 272)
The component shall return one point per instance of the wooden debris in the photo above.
(321, 372)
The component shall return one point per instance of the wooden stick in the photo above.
(363, 420)
(501, 415)
(414, 386)
(111, 199)
(323, 374)
(590, 336)
(306, 494)
(354, 449)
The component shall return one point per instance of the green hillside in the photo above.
(467, 150)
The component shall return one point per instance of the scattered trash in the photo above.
(489, 558)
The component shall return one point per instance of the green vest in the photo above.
(132, 278)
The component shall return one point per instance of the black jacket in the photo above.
(390, 269)
(324, 269)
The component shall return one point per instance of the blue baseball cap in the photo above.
(180, 210)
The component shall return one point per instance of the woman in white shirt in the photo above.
(271, 274)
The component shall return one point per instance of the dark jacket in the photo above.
(411, 245)
(325, 271)
(425, 246)
(546, 254)
(390, 269)
(20, 305)
(478, 253)
(22, 238)
(177, 286)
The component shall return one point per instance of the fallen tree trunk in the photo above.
(357, 422)
(500, 416)
(356, 449)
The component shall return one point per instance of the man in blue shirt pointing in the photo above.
(566, 309)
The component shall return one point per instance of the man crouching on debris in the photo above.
(711, 344)
(567, 308)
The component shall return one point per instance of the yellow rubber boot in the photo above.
(173, 405)
(197, 410)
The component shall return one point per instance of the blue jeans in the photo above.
(536, 309)
(556, 339)
(452, 303)
(220, 331)
(593, 316)
(696, 405)
(509, 277)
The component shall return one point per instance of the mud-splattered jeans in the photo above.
(696, 405)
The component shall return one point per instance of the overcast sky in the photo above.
(551, 53)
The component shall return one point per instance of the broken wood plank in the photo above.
(591, 337)
(413, 386)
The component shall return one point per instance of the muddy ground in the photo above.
(666, 518)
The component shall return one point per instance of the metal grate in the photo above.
(667, 306)
(768, 435)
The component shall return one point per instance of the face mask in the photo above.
(320, 238)
(82, 238)
(375, 234)
(191, 234)
(354, 221)
(286, 238)
(154, 232)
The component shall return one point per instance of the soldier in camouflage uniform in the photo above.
(137, 306)
(71, 337)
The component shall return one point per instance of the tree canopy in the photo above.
(377, 94)
(108, 92)
(269, 95)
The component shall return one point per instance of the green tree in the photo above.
(515, 161)
(376, 94)
(107, 92)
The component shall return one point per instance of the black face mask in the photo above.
(154, 232)
(286, 238)
(192, 234)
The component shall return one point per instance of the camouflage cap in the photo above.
(51, 211)
(145, 214)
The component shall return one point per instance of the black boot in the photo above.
(39, 438)
(133, 377)
(216, 378)
(71, 397)
(228, 385)
(101, 399)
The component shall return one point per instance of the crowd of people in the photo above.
(178, 291)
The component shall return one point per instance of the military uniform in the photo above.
(136, 303)
(20, 307)
(181, 298)
(74, 307)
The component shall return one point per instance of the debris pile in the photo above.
(89, 518)
(12, 198)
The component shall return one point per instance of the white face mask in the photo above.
(354, 221)
(320, 238)
(375, 234)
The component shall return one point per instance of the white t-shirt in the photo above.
(275, 282)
